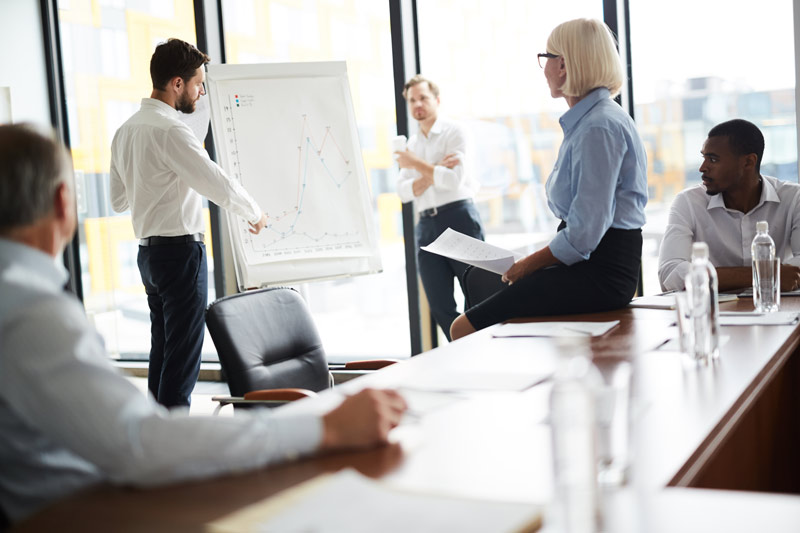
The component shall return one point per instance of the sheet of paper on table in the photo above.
(348, 502)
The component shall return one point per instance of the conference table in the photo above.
(714, 447)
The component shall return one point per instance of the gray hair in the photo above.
(32, 166)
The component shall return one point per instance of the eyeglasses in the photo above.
(546, 56)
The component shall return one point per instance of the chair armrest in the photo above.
(279, 395)
(374, 364)
(262, 398)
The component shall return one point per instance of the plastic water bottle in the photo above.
(698, 296)
(700, 257)
(766, 274)
(572, 422)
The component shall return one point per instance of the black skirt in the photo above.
(605, 281)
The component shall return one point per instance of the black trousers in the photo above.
(437, 272)
(605, 281)
(175, 277)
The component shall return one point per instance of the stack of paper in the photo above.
(667, 300)
(781, 318)
(748, 293)
(347, 502)
(554, 329)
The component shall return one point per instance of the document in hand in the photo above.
(349, 501)
(472, 251)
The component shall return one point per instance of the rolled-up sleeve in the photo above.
(794, 239)
(186, 157)
(674, 257)
(119, 196)
(596, 160)
(405, 184)
(448, 179)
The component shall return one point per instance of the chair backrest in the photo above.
(266, 339)
(479, 284)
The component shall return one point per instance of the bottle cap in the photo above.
(700, 250)
(762, 225)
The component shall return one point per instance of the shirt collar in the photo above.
(160, 106)
(768, 194)
(569, 119)
(436, 129)
(29, 266)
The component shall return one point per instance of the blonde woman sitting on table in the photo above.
(598, 188)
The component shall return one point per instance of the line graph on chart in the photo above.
(296, 158)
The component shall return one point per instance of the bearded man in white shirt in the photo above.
(723, 212)
(433, 175)
(159, 169)
(68, 418)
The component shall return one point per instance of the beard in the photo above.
(185, 104)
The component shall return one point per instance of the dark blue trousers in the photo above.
(175, 277)
(437, 272)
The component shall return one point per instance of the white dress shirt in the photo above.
(159, 169)
(449, 185)
(698, 217)
(69, 419)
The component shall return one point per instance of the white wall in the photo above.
(22, 61)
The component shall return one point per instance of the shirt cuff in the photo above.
(562, 250)
(405, 191)
(444, 178)
(794, 261)
(295, 435)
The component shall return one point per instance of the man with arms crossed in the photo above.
(723, 212)
(433, 175)
(159, 169)
(68, 419)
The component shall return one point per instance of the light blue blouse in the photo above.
(600, 178)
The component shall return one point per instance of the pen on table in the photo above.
(662, 344)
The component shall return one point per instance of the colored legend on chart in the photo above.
(243, 100)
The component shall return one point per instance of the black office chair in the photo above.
(480, 284)
(269, 348)
(5, 522)
(266, 339)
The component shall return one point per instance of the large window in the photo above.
(695, 65)
(106, 47)
(365, 316)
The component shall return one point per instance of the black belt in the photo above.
(179, 239)
(433, 211)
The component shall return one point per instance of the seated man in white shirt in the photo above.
(723, 212)
(68, 419)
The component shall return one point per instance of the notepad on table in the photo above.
(350, 502)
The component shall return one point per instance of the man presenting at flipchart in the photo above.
(159, 169)
(433, 175)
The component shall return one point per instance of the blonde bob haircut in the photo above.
(590, 56)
